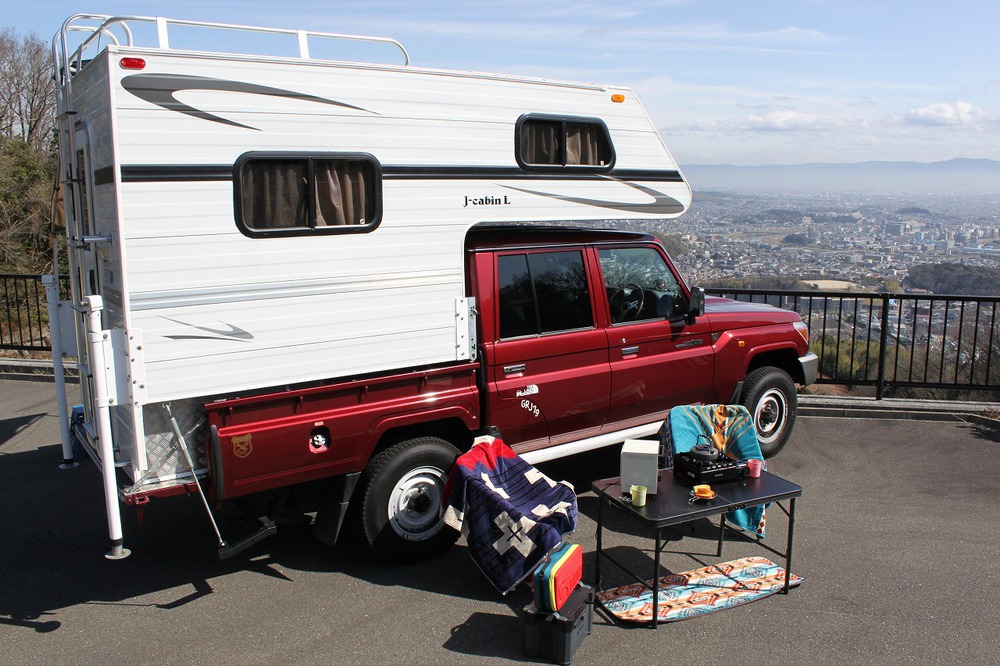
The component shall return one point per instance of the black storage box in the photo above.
(556, 636)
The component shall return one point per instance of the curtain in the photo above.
(275, 193)
(340, 193)
(583, 145)
(540, 142)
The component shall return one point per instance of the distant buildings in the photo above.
(862, 239)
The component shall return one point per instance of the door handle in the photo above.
(513, 369)
(628, 351)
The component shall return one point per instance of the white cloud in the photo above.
(949, 114)
(783, 121)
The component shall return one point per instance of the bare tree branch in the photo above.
(27, 91)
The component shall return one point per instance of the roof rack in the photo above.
(116, 30)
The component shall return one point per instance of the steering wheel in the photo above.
(624, 304)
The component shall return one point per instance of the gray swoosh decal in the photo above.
(233, 332)
(661, 204)
(160, 89)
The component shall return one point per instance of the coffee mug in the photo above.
(638, 495)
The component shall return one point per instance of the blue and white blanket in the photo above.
(687, 424)
(512, 515)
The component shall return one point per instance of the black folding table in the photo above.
(672, 505)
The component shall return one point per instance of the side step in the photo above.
(267, 528)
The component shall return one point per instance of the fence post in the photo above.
(883, 336)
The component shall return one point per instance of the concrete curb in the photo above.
(899, 408)
(39, 370)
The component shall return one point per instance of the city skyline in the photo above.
(726, 82)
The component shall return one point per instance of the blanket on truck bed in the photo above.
(511, 514)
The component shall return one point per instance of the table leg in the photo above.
(656, 580)
(722, 534)
(788, 547)
(597, 556)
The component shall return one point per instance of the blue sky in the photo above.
(726, 81)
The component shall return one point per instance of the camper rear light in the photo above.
(132, 63)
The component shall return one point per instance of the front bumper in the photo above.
(810, 368)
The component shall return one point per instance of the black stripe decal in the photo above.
(140, 173)
(152, 173)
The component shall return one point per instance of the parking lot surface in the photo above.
(895, 535)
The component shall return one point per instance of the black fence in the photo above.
(895, 342)
(892, 342)
(24, 316)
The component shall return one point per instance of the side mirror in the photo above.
(697, 304)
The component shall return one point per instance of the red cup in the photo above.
(755, 466)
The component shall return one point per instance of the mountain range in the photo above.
(960, 176)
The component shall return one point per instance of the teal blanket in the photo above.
(733, 428)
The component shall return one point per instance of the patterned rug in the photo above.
(693, 593)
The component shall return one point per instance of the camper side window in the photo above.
(290, 194)
(551, 142)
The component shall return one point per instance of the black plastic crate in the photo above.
(556, 636)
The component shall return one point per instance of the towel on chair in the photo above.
(512, 515)
(690, 422)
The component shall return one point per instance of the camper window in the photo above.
(550, 142)
(288, 194)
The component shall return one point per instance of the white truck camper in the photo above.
(243, 223)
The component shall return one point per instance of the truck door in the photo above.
(657, 359)
(548, 362)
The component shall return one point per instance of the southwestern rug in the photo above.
(700, 591)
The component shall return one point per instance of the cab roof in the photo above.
(507, 236)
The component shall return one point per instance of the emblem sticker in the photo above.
(242, 445)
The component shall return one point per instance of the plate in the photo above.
(695, 498)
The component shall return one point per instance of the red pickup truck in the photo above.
(584, 338)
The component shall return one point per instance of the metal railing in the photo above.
(24, 317)
(895, 341)
(886, 341)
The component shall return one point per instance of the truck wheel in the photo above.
(769, 396)
(400, 500)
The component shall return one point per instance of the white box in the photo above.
(640, 463)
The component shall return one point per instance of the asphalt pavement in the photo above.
(894, 535)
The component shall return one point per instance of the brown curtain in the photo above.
(274, 194)
(583, 144)
(540, 142)
(340, 193)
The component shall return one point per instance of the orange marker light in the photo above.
(132, 63)
(618, 98)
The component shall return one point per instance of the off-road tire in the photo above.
(399, 500)
(769, 395)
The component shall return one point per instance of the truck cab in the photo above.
(588, 337)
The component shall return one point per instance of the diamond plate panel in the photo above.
(162, 455)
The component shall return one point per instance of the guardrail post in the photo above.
(883, 336)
